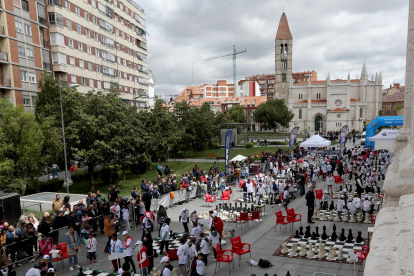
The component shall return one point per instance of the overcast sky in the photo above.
(327, 36)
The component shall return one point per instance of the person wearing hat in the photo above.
(142, 259)
(146, 225)
(214, 240)
(36, 270)
(115, 248)
(167, 270)
(165, 236)
(184, 218)
(128, 242)
(46, 260)
(51, 272)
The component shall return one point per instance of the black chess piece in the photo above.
(324, 236)
(230, 205)
(313, 236)
(288, 274)
(81, 272)
(350, 236)
(252, 208)
(334, 236)
(267, 200)
(307, 232)
(216, 208)
(245, 206)
(340, 188)
(342, 237)
(359, 237)
(274, 274)
(378, 189)
(331, 207)
(317, 232)
(266, 274)
(171, 233)
(155, 253)
(301, 231)
(297, 234)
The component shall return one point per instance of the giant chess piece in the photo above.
(285, 249)
(331, 207)
(324, 235)
(334, 236)
(307, 232)
(352, 218)
(317, 232)
(367, 217)
(334, 251)
(310, 253)
(331, 254)
(313, 236)
(359, 237)
(294, 249)
(315, 215)
(331, 215)
(345, 215)
(337, 218)
(324, 217)
(315, 249)
(350, 236)
(340, 256)
(297, 235)
(225, 233)
(174, 272)
(351, 260)
(359, 217)
(302, 252)
(301, 231)
(342, 237)
(321, 254)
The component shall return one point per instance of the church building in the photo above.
(324, 105)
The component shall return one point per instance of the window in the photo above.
(89, 49)
(22, 52)
(73, 79)
(77, 10)
(119, 74)
(117, 32)
(67, 5)
(98, 68)
(124, 62)
(90, 67)
(95, 36)
(70, 42)
(300, 114)
(82, 81)
(300, 96)
(107, 41)
(19, 27)
(79, 28)
(98, 84)
(94, 20)
(86, 16)
(72, 61)
(283, 77)
(30, 53)
(28, 29)
(123, 48)
(81, 63)
(26, 100)
(93, 3)
(360, 112)
(32, 77)
(91, 83)
(69, 24)
(55, 19)
(318, 96)
(80, 46)
(58, 58)
(97, 52)
(23, 76)
(119, 60)
(121, 6)
(88, 32)
(25, 5)
(58, 39)
(128, 37)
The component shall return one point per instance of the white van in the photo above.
(363, 138)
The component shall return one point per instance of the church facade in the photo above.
(324, 105)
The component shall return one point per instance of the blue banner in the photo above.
(228, 142)
(342, 138)
(293, 136)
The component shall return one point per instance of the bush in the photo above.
(276, 143)
(249, 145)
(111, 174)
(37, 186)
(175, 148)
(78, 177)
(142, 164)
(216, 145)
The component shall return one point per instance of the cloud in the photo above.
(328, 36)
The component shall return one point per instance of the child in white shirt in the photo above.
(200, 265)
(325, 200)
(204, 247)
(125, 217)
(214, 239)
(340, 205)
(183, 252)
(91, 246)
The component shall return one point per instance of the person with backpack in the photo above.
(167, 270)
(167, 170)
(160, 169)
(273, 192)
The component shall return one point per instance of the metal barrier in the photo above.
(179, 196)
(26, 206)
(21, 250)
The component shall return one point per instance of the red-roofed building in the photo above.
(393, 100)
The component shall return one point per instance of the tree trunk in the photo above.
(92, 184)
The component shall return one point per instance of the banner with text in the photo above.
(293, 136)
(228, 142)
(344, 132)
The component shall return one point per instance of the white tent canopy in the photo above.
(385, 135)
(315, 141)
(239, 158)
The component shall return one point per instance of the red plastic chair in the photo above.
(338, 179)
(57, 259)
(362, 255)
(225, 195)
(63, 252)
(210, 198)
(172, 254)
(281, 219)
(151, 214)
(222, 257)
(255, 215)
(237, 247)
(292, 217)
(373, 218)
(242, 217)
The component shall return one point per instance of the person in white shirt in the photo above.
(214, 239)
(249, 186)
(128, 243)
(286, 197)
(116, 246)
(325, 200)
(165, 236)
(91, 246)
(36, 270)
(183, 252)
(184, 218)
(340, 205)
(204, 247)
(146, 225)
(330, 180)
(200, 265)
(197, 229)
(167, 270)
(366, 207)
(125, 217)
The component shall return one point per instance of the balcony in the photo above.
(42, 21)
(142, 47)
(5, 82)
(4, 57)
(136, 6)
(109, 75)
(46, 66)
(44, 43)
(55, 2)
(142, 93)
(143, 72)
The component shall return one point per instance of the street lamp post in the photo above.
(71, 85)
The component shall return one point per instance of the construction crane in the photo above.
(234, 64)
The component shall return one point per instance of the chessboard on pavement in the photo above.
(88, 271)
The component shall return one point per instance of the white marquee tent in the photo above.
(239, 158)
(385, 135)
(315, 141)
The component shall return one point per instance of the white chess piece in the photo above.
(337, 218)
(324, 217)
(359, 217)
(315, 215)
(331, 254)
(351, 260)
(321, 254)
(294, 249)
(302, 252)
(334, 251)
(174, 272)
(367, 217)
(315, 249)
(310, 253)
(285, 249)
(345, 215)
(340, 256)
(352, 218)
(331, 215)
(225, 233)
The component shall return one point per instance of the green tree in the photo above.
(236, 114)
(23, 146)
(380, 113)
(272, 114)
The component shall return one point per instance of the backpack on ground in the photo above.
(264, 263)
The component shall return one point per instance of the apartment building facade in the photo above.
(94, 43)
